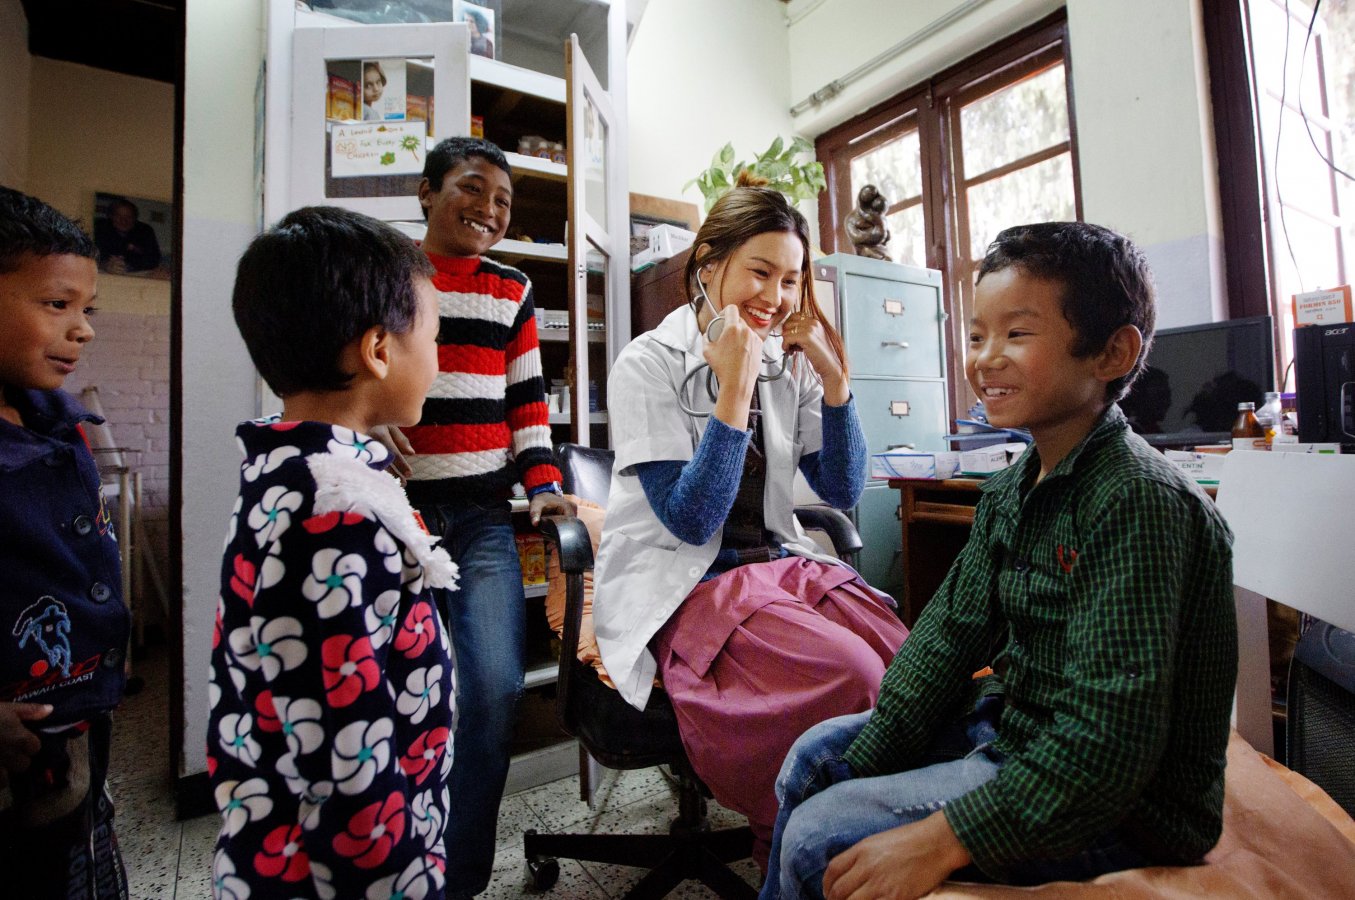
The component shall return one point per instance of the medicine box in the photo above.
(1203, 467)
(987, 460)
(665, 242)
(912, 464)
(1300, 447)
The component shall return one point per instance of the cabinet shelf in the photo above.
(537, 676)
(514, 78)
(511, 250)
(596, 418)
(561, 335)
(536, 167)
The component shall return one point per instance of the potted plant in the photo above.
(778, 164)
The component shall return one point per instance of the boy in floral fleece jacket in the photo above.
(332, 694)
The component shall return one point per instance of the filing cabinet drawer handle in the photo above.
(899, 407)
(902, 345)
(893, 307)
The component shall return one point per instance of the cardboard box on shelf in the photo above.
(532, 557)
(341, 99)
(914, 464)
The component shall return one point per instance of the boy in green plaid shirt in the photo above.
(1097, 581)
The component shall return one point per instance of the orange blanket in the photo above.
(1282, 837)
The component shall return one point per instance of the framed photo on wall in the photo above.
(483, 20)
(134, 235)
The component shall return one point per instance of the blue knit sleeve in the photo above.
(693, 498)
(837, 473)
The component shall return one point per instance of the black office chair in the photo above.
(619, 736)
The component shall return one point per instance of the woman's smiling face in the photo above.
(761, 277)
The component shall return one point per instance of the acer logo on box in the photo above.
(1332, 331)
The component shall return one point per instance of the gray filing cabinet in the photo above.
(893, 328)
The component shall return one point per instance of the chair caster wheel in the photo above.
(543, 871)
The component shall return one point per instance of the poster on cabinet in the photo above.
(383, 90)
(377, 148)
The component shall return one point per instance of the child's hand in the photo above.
(17, 742)
(548, 503)
(395, 441)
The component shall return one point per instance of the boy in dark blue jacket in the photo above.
(64, 627)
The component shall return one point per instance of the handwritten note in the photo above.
(377, 148)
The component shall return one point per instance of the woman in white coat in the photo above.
(704, 577)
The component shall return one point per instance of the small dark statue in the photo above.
(866, 224)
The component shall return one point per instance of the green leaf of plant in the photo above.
(774, 150)
(726, 155)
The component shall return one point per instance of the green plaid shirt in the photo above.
(1103, 598)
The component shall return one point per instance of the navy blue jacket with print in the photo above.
(65, 625)
(332, 692)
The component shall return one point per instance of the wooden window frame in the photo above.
(934, 107)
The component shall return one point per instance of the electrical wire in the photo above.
(1307, 126)
(1279, 130)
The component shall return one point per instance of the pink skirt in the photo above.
(759, 654)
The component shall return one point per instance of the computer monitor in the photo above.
(1195, 377)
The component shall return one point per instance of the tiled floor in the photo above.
(172, 860)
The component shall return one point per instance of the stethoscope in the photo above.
(712, 333)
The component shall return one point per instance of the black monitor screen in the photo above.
(1196, 376)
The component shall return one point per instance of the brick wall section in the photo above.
(128, 361)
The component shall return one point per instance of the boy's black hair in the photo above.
(1106, 282)
(312, 283)
(27, 225)
(453, 150)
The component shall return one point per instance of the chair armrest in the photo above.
(833, 522)
(570, 537)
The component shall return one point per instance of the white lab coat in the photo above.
(643, 572)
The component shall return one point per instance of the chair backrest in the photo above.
(587, 471)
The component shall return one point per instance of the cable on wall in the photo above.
(838, 85)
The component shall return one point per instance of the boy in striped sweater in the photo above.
(484, 427)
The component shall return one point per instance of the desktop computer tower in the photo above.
(1324, 365)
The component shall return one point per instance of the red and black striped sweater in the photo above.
(484, 424)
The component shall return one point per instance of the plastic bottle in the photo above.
(1247, 431)
(1271, 416)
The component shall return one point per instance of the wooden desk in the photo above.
(936, 517)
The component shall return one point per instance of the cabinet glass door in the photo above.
(598, 243)
(367, 105)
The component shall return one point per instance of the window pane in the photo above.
(1014, 122)
(895, 168)
(1039, 193)
(907, 242)
(1303, 179)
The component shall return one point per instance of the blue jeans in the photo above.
(825, 810)
(487, 619)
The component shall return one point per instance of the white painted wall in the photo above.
(224, 47)
(17, 65)
(1146, 144)
(1140, 94)
(701, 73)
(93, 130)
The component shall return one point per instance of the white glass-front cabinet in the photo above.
(553, 100)
(548, 102)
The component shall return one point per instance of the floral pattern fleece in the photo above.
(332, 688)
